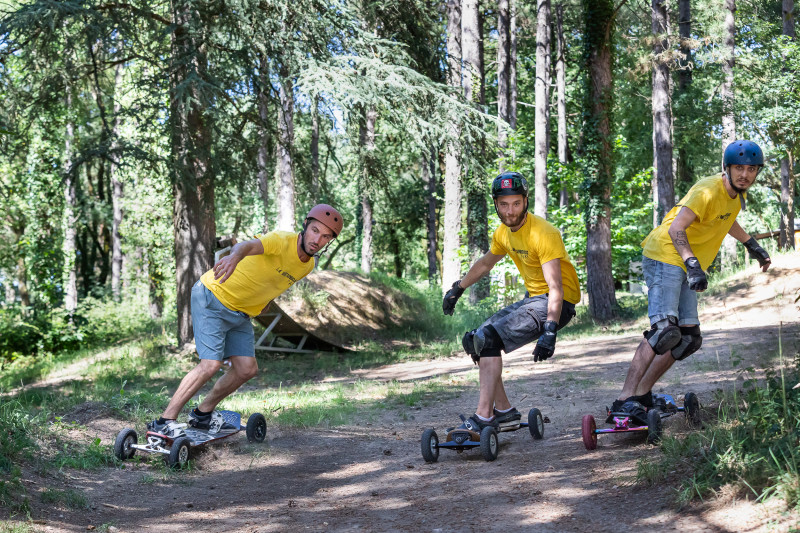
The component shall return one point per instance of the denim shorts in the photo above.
(523, 321)
(668, 293)
(219, 332)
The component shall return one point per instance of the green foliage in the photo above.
(70, 498)
(754, 444)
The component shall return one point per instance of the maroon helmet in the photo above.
(329, 216)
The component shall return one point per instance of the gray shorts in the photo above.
(523, 322)
(219, 332)
(668, 293)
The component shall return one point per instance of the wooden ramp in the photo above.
(279, 325)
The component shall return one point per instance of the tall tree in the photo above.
(728, 113)
(685, 171)
(367, 147)
(561, 96)
(542, 105)
(598, 106)
(117, 188)
(512, 66)
(70, 208)
(786, 239)
(194, 218)
(473, 81)
(262, 86)
(451, 264)
(315, 149)
(663, 182)
(503, 75)
(286, 200)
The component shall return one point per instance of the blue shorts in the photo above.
(219, 332)
(668, 293)
(523, 321)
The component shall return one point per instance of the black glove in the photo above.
(695, 276)
(547, 342)
(757, 252)
(451, 297)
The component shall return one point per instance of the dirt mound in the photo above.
(347, 308)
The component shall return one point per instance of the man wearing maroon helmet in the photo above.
(225, 298)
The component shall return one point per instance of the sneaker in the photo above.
(475, 424)
(645, 399)
(616, 408)
(509, 419)
(635, 410)
(213, 422)
(170, 428)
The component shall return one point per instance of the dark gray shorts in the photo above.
(523, 322)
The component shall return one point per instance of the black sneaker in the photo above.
(170, 428)
(475, 424)
(213, 422)
(508, 420)
(645, 399)
(615, 409)
(636, 411)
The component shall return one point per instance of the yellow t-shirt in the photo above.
(716, 212)
(537, 242)
(258, 279)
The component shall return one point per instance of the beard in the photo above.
(513, 221)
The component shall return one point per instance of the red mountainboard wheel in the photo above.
(588, 431)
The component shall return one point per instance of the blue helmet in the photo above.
(742, 152)
(509, 183)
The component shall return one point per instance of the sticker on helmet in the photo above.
(506, 184)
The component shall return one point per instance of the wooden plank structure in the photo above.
(279, 325)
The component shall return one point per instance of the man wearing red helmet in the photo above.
(537, 249)
(238, 287)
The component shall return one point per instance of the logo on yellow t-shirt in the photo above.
(523, 253)
(726, 216)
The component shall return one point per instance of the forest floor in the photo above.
(370, 476)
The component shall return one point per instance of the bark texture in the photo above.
(286, 201)
(451, 264)
(542, 140)
(663, 180)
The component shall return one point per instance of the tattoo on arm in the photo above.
(681, 239)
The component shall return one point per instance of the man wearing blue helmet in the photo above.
(675, 256)
(538, 252)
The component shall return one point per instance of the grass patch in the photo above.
(753, 446)
(70, 498)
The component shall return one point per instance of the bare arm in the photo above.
(738, 233)
(677, 232)
(481, 267)
(552, 275)
(225, 266)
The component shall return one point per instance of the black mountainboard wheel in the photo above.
(179, 453)
(122, 446)
(256, 428)
(489, 445)
(653, 426)
(430, 445)
(691, 407)
(536, 423)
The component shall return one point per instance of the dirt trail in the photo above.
(371, 477)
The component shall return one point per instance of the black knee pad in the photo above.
(691, 340)
(469, 346)
(488, 342)
(664, 335)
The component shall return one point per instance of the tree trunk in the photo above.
(428, 167)
(728, 113)
(503, 68)
(561, 89)
(663, 186)
(451, 264)
(598, 147)
(512, 66)
(117, 189)
(477, 215)
(542, 141)
(786, 239)
(685, 173)
(286, 201)
(315, 150)
(70, 278)
(155, 288)
(367, 145)
(194, 222)
(265, 138)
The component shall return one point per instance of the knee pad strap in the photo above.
(691, 340)
(664, 335)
